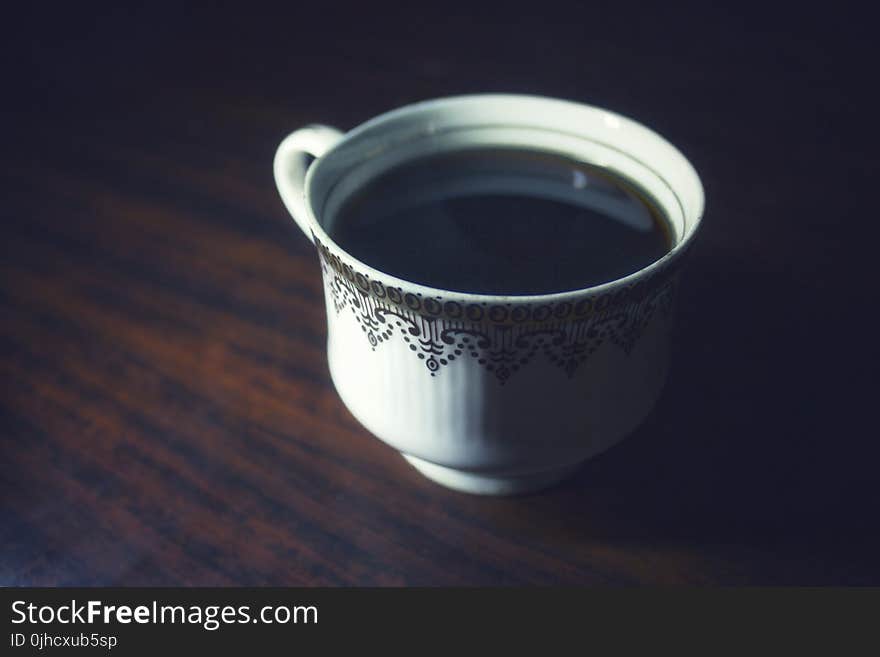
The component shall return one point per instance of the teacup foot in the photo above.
(487, 484)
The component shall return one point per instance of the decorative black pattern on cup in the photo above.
(505, 313)
(502, 338)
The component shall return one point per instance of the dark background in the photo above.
(166, 412)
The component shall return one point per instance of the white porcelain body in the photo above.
(492, 394)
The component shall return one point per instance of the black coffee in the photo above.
(501, 221)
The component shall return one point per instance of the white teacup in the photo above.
(484, 393)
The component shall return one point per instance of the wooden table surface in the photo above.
(167, 416)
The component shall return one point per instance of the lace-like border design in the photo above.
(503, 338)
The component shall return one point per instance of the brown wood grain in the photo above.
(167, 416)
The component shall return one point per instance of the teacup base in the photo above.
(487, 484)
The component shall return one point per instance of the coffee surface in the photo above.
(501, 221)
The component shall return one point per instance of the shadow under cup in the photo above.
(487, 393)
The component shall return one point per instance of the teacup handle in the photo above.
(291, 165)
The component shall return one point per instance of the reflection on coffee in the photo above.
(501, 221)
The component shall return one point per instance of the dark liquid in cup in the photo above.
(501, 221)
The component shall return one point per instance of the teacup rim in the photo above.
(322, 238)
